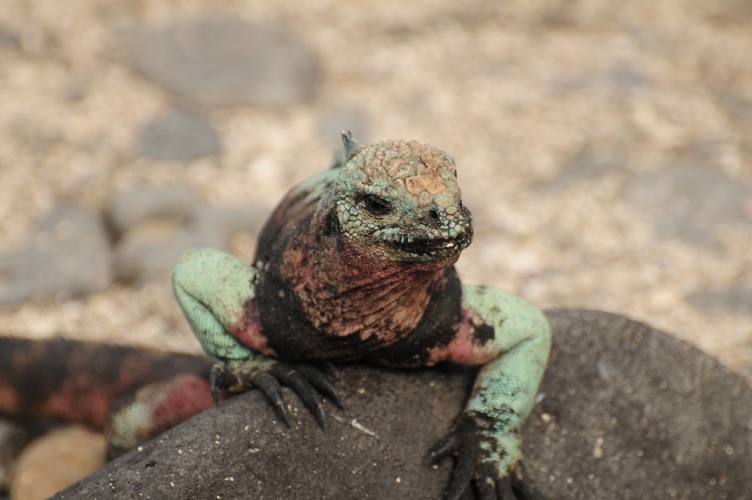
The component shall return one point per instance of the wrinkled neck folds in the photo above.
(344, 290)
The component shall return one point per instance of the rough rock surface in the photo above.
(625, 412)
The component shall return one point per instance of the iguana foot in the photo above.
(307, 381)
(480, 458)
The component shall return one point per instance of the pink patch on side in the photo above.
(249, 334)
(464, 349)
(183, 397)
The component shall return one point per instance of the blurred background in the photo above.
(604, 148)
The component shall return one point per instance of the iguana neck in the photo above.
(344, 290)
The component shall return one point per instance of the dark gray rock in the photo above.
(219, 61)
(143, 203)
(149, 251)
(9, 39)
(689, 202)
(68, 256)
(626, 412)
(588, 163)
(178, 135)
(228, 220)
(734, 299)
(738, 106)
(156, 225)
(616, 82)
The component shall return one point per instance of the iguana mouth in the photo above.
(430, 246)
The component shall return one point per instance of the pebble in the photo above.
(156, 225)
(585, 165)
(67, 256)
(737, 299)
(55, 461)
(178, 135)
(689, 202)
(221, 61)
(142, 203)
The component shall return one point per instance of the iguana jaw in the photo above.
(428, 246)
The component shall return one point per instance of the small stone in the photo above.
(148, 202)
(734, 299)
(9, 39)
(689, 202)
(221, 61)
(68, 256)
(229, 219)
(736, 105)
(178, 135)
(148, 251)
(55, 461)
(587, 164)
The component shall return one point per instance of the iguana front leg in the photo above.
(512, 339)
(216, 292)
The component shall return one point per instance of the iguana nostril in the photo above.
(433, 214)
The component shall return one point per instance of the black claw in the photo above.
(522, 488)
(321, 383)
(486, 490)
(463, 473)
(220, 378)
(273, 392)
(526, 491)
(305, 392)
(504, 489)
(329, 369)
(446, 447)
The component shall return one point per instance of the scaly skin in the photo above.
(131, 394)
(357, 264)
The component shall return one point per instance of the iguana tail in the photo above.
(133, 395)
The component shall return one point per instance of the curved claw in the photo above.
(307, 381)
(465, 443)
(305, 391)
(320, 381)
(523, 488)
(444, 448)
(462, 475)
(328, 368)
(220, 378)
(504, 489)
(273, 392)
(486, 490)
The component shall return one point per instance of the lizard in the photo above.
(357, 264)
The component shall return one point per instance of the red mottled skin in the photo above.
(464, 349)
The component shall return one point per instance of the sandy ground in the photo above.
(521, 95)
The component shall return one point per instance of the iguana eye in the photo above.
(376, 205)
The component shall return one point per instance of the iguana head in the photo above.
(400, 201)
